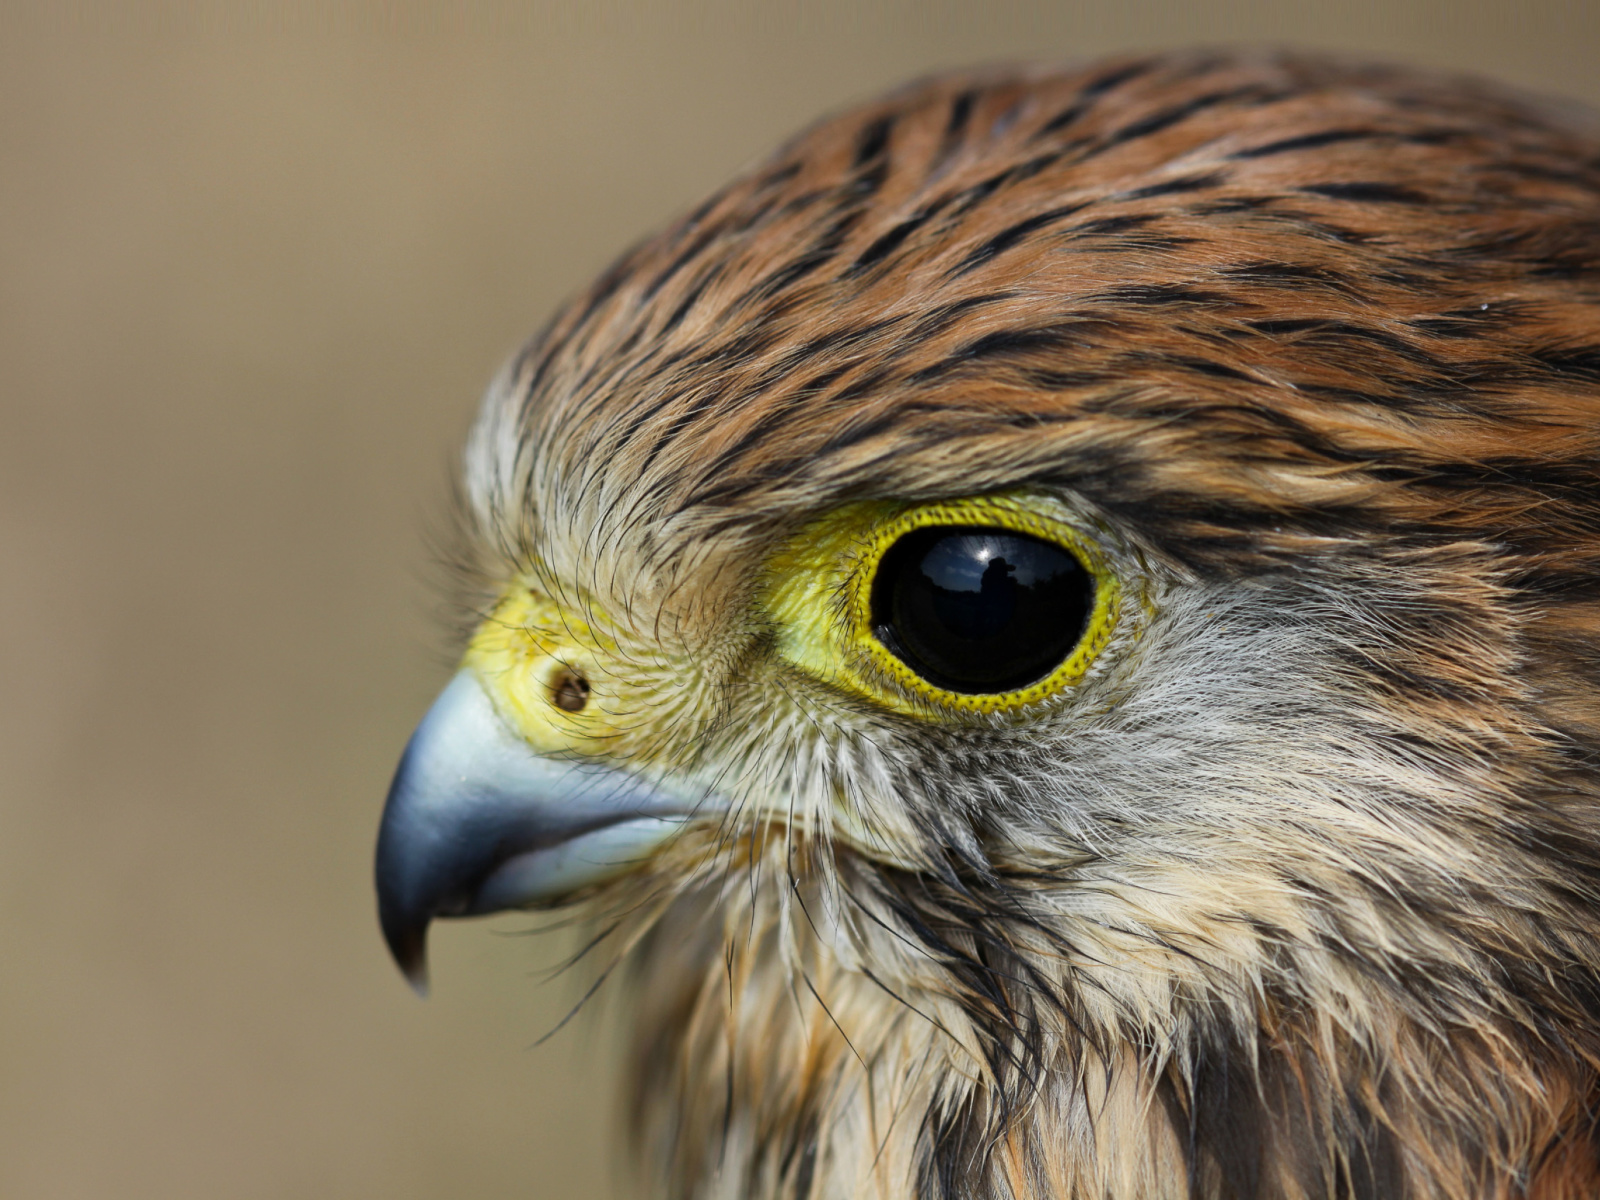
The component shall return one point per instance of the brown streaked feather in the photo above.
(1323, 303)
(1321, 340)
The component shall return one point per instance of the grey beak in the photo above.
(476, 822)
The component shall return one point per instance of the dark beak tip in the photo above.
(408, 946)
(418, 979)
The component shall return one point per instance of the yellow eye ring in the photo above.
(820, 596)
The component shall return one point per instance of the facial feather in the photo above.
(1295, 894)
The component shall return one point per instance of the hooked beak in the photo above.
(476, 822)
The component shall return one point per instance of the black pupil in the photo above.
(976, 610)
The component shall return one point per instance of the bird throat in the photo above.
(935, 1047)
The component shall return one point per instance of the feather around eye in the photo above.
(820, 597)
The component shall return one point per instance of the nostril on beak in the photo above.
(569, 691)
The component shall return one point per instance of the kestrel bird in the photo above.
(1052, 629)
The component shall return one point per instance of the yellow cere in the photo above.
(819, 586)
(521, 652)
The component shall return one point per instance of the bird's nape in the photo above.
(1054, 619)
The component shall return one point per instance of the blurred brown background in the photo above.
(253, 274)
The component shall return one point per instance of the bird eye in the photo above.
(979, 610)
(988, 604)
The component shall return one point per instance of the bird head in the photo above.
(1052, 623)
